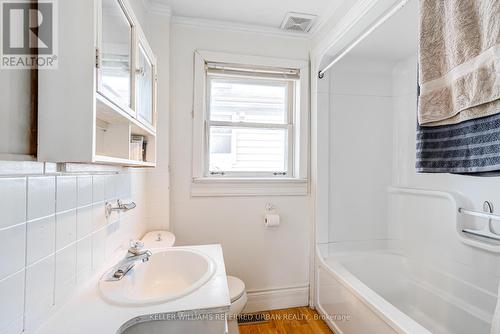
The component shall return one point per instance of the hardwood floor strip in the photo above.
(300, 320)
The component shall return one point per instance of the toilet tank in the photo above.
(158, 239)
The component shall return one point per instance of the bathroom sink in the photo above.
(168, 275)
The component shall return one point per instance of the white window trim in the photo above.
(295, 185)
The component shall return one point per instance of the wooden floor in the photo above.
(301, 320)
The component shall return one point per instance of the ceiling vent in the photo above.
(298, 22)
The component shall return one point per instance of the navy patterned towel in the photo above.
(468, 147)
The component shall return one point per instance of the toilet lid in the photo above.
(158, 239)
(236, 287)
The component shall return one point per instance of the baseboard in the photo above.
(276, 299)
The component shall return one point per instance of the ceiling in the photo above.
(262, 13)
(395, 39)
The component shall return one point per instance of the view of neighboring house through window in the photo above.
(250, 123)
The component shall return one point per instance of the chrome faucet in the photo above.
(136, 252)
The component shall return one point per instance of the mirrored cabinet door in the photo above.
(116, 34)
(145, 81)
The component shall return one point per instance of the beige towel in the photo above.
(459, 60)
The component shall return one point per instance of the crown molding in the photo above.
(157, 7)
(234, 26)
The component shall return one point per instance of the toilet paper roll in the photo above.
(272, 220)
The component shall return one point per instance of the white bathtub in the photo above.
(381, 291)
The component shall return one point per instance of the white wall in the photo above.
(264, 259)
(157, 29)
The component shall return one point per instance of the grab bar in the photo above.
(486, 231)
(479, 214)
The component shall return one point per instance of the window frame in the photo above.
(292, 89)
(295, 183)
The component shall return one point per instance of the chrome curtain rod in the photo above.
(377, 24)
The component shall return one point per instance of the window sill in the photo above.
(219, 187)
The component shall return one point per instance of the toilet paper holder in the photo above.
(271, 218)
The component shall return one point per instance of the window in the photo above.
(249, 122)
(250, 118)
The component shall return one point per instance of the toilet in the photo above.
(239, 299)
(237, 294)
(158, 239)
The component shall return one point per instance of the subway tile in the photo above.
(98, 185)
(84, 190)
(12, 201)
(98, 216)
(12, 250)
(110, 183)
(11, 312)
(83, 221)
(41, 196)
(39, 292)
(123, 186)
(65, 273)
(98, 249)
(65, 228)
(41, 238)
(66, 193)
(83, 259)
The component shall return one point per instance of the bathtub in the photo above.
(382, 291)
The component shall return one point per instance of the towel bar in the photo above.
(486, 231)
(486, 215)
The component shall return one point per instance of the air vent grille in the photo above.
(298, 22)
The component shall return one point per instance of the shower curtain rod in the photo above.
(377, 24)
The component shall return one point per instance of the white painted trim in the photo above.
(235, 26)
(232, 58)
(221, 187)
(251, 187)
(157, 7)
(15, 168)
(276, 299)
(356, 14)
(21, 168)
(322, 20)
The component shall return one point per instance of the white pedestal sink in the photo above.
(168, 275)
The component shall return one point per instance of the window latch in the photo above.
(279, 173)
(217, 173)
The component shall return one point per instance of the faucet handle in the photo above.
(136, 246)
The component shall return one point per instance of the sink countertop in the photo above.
(87, 312)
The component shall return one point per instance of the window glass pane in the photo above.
(254, 101)
(116, 50)
(144, 87)
(247, 150)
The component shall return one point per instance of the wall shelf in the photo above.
(106, 160)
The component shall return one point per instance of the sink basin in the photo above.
(168, 275)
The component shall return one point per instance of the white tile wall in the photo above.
(66, 193)
(83, 221)
(41, 196)
(11, 313)
(65, 228)
(53, 236)
(39, 291)
(12, 201)
(41, 238)
(12, 250)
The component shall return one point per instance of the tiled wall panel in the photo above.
(54, 235)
